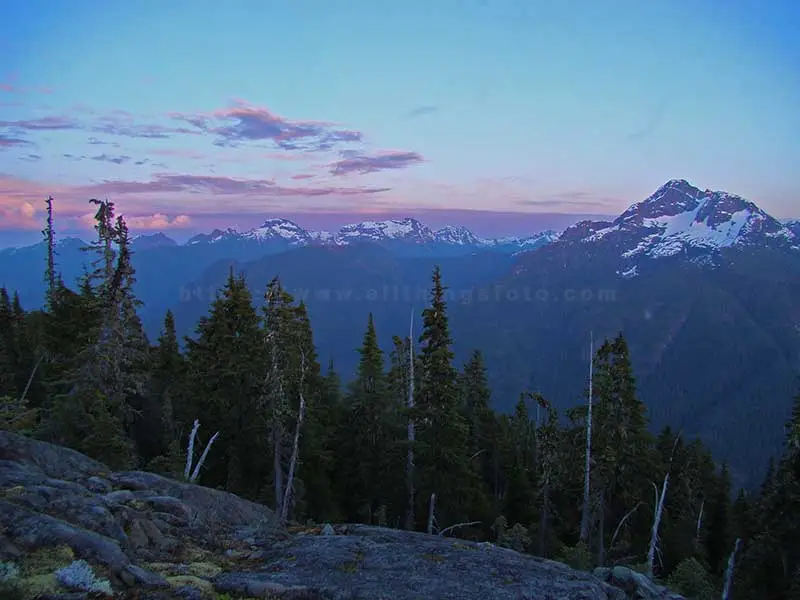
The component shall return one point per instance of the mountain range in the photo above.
(704, 283)
(406, 236)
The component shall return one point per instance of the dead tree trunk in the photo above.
(726, 592)
(410, 519)
(601, 549)
(699, 525)
(288, 491)
(188, 474)
(431, 513)
(588, 466)
(659, 509)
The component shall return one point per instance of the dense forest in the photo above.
(412, 442)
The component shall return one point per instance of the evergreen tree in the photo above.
(771, 560)
(718, 536)
(165, 421)
(441, 449)
(224, 375)
(621, 448)
(8, 350)
(371, 461)
(49, 234)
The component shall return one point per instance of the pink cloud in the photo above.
(301, 176)
(361, 163)
(180, 153)
(245, 122)
(9, 142)
(158, 221)
(217, 185)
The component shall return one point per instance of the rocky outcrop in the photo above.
(70, 528)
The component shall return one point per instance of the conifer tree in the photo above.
(372, 460)
(718, 536)
(49, 234)
(224, 375)
(109, 367)
(621, 446)
(8, 351)
(441, 455)
(771, 559)
(165, 417)
(520, 460)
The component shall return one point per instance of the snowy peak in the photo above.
(215, 236)
(793, 225)
(681, 219)
(673, 198)
(407, 230)
(277, 230)
(456, 235)
(401, 234)
(523, 243)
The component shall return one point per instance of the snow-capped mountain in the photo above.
(279, 229)
(794, 226)
(680, 219)
(403, 234)
(407, 230)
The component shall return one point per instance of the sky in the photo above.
(498, 115)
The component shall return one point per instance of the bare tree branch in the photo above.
(458, 526)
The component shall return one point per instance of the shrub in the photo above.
(79, 576)
(690, 579)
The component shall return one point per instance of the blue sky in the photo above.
(193, 114)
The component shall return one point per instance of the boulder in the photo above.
(156, 538)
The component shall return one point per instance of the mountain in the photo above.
(703, 283)
(408, 237)
(793, 225)
(148, 242)
(705, 286)
(680, 219)
(163, 265)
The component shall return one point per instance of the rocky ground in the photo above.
(70, 529)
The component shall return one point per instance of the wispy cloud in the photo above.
(111, 124)
(421, 111)
(570, 199)
(173, 183)
(362, 163)
(654, 119)
(7, 141)
(244, 122)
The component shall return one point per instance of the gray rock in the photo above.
(370, 563)
(98, 485)
(30, 531)
(636, 586)
(51, 496)
(139, 577)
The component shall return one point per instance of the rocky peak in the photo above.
(407, 229)
(456, 234)
(279, 229)
(674, 197)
